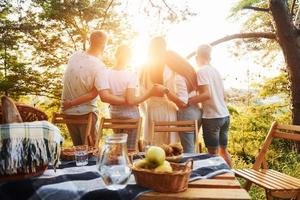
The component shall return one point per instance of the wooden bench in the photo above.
(276, 184)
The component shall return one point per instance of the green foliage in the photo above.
(249, 127)
(37, 40)
(244, 3)
(276, 86)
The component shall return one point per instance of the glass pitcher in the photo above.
(113, 163)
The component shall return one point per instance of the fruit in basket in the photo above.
(142, 163)
(174, 149)
(155, 155)
(165, 167)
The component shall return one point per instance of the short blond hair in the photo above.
(204, 51)
(98, 39)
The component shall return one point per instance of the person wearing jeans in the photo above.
(191, 112)
(215, 119)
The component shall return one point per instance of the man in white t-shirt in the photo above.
(215, 118)
(84, 72)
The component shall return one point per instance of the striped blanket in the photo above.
(70, 182)
(26, 146)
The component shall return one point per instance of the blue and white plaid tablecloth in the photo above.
(71, 182)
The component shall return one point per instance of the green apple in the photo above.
(141, 163)
(165, 167)
(155, 155)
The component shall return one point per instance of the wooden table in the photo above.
(224, 186)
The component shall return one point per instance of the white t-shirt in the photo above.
(121, 80)
(214, 107)
(83, 73)
(181, 89)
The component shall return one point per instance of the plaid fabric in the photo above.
(25, 146)
(70, 182)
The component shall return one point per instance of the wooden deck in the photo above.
(221, 187)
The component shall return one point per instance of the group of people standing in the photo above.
(167, 88)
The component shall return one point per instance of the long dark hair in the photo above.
(181, 66)
(159, 57)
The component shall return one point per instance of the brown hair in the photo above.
(123, 51)
(98, 39)
(157, 50)
(181, 66)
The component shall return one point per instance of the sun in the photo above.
(139, 48)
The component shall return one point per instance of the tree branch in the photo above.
(267, 35)
(293, 6)
(105, 14)
(170, 9)
(257, 8)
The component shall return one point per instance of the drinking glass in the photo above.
(81, 155)
(113, 163)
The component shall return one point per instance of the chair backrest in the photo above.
(123, 124)
(289, 132)
(28, 113)
(58, 118)
(178, 126)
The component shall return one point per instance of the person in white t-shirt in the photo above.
(122, 82)
(215, 118)
(84, 72)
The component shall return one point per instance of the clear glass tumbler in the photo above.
(81, 155)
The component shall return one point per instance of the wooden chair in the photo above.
(178, 126)
(126, 124)
(275, 183)
(28, 113)
(59, 118)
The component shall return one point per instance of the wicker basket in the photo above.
(69, 153)
(176, 181)
(21, 175)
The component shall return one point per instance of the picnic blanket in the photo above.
(70, 182)
(25, 146)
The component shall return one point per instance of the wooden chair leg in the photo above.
(89, 139)
(247, 185)
(140, 146)
(269, 195)
(200, 147)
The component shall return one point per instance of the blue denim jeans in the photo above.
(192, 112)
(215, 132)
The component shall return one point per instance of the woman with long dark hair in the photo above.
(179, 79)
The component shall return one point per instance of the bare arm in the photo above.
(80, 100)
(107, 97)
(132, 99)
(203, 95)
(180, 98)
(173, 97)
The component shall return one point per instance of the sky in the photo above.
(210, 23)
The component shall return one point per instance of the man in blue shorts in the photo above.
(215, 118)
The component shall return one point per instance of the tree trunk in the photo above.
(287, 37)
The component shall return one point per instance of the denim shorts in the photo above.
(215, 132)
